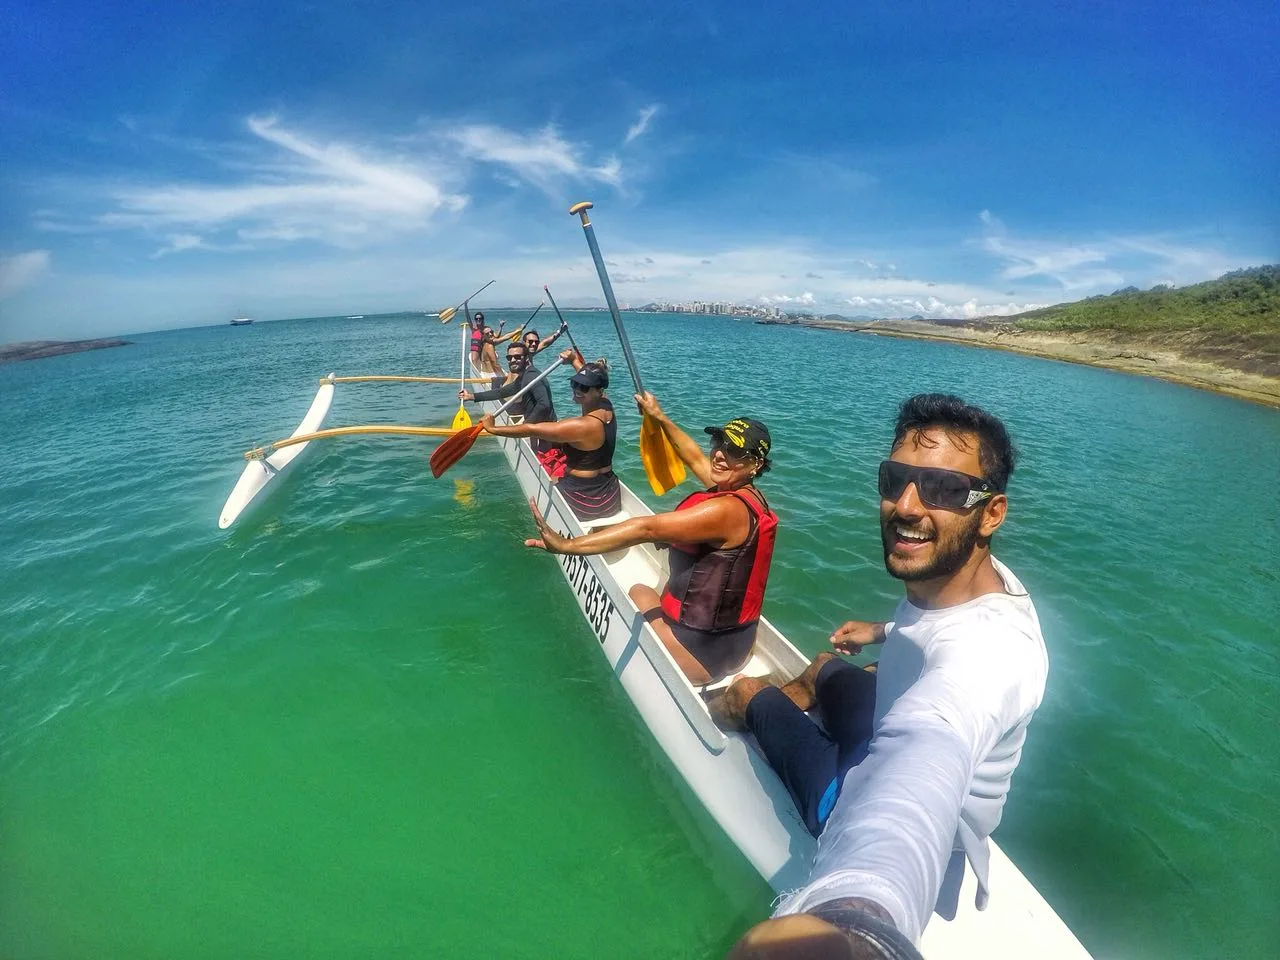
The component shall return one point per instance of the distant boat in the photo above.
(241, 321)
(360, 317)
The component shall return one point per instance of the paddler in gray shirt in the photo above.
(911, 772)
(536, 405)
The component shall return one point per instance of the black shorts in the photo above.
(720, 653)
(812, 761)
(591, 498)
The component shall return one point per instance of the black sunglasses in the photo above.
(937, 487)
(732, 453)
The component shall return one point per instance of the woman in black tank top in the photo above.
(589, 485)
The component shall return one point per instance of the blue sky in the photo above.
(175, 164)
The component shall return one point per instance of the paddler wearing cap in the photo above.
(721, 541)
(586, 442)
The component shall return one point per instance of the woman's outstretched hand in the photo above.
(547, 538)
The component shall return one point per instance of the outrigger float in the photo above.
(270, 462)
(725, 771)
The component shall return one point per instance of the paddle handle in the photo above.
(580, 209)
(528, 386)
(563, 322)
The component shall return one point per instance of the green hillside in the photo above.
(1243, 303)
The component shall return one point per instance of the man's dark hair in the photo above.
(996, 452)
(517, 345)
(530, 333)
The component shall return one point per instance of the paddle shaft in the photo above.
(462, 374)
(581, 210)
(564, 323)
(452, 310)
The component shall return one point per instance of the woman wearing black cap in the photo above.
(588, 485)
(721, 541)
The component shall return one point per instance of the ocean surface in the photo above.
(367, 722)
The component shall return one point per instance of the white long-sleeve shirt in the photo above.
(955, 691)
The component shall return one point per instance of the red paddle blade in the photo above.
(453, 449)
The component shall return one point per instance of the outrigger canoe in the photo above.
(726, 771)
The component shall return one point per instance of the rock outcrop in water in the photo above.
(37, 349)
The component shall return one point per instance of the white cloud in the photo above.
(642, 123)
(302, 189)
(805, 299)
(1101, 264)
(544, 158)
(933, 308)
(177, 243)
(22, 270)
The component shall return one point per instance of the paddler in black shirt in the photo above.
(587, 442)
(535, 406)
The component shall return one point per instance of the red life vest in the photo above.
(712, 589)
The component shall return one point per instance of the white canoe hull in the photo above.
(259, 474)
(725, 771)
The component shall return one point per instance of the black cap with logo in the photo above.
(749, 436)
(590, 376)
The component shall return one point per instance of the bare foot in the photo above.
(729, 710)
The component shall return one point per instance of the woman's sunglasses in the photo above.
(950, 489)
(731, 453)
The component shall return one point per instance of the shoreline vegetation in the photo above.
(39, 349)
(1222, 335)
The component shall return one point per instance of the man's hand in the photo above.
(568, 355)
(648, 404)
(853, 635)
(547, 538)
(465, 395)
(487, 422)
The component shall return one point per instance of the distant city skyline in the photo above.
(177, 165)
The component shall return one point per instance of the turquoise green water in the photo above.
(370, 723)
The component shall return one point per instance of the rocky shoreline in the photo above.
(39, 349)
(1178, 356)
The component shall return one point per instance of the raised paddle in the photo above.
(447, 314)
(498, 335)
(455, 448)
(662, 465)
(563, 323)
(462, 419)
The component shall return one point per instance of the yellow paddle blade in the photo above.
(461, 419)
(447, 315)
(662, 465)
